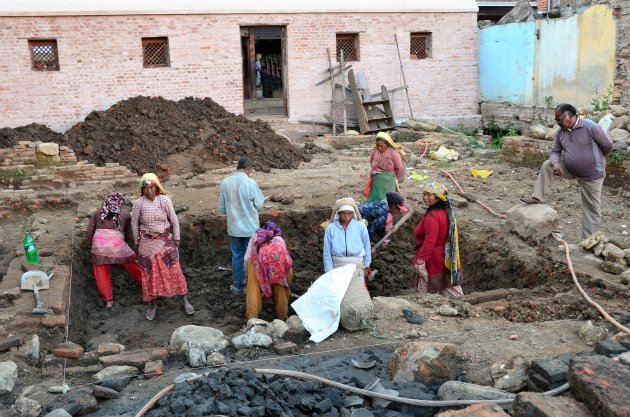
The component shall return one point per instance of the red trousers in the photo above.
(104, 281)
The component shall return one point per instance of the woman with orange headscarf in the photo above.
(436, 266)
(156, 232)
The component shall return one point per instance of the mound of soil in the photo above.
(33, 132)
(142, 132)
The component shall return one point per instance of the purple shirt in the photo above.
(583, 149)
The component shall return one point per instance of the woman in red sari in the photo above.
(269, 271)
(156, 232)
(436, 266)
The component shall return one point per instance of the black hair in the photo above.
(244, 162)
(566, 108)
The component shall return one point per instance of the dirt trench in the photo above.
(205, 260)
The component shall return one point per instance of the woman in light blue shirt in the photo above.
(346, 240)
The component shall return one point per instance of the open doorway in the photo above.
(264, 71)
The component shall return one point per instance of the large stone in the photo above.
(109, 349)
(59, 412)
(621, 122)
(48, 149)
(251, 339)
(613, 267)
(216, 359)
(539, 131)
(115, 371)
(135, 358)
(27, 407)
(390, 305)
(553, 133)
(593, 240)
(77, 401)
(590, 333)
(476, 410)
(118, 383)
(278, 328)
(624, 278)
(601, 383)
(9, 342)
(530, 404)
(420, 125)
(511, 375)
(553, 370)
(532, 221)
(106, 393)
(206, 338)
(609, 348)
(621, 145)
(521, 12)
(619, 135)
(196, 357)
(618, 111)
(424, 362)
(614, 254)
(8, 376)
(456, 390)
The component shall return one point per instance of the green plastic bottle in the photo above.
(30, 250)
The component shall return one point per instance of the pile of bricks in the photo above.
(37, 165)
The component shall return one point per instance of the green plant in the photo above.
(512, 131)
(497, 134)
(18, 177)
(602, 102)
(473, 142)
(497, 142)
(616, 158)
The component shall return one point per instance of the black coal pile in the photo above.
(242, 392)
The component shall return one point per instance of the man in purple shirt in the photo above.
(583, 145)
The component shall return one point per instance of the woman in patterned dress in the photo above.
(156, 232)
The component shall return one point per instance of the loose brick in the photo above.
(285, 348)
(153, 368)
(68, 350)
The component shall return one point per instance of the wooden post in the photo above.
(332, 90)
(403, 75)
(343, 96)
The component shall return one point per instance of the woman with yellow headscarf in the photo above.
(436, 266)
(387, 168)
(156, 232)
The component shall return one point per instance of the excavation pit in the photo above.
(205, 260)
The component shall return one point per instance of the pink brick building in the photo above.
(64, 59)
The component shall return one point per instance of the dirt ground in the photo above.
(544, 311)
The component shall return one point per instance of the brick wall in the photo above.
(22, 167)
(100, 61)
(524, 151)
(507, 115)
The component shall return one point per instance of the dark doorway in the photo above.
(264, 71)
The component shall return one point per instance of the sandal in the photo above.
(150, 314)
(189, 309)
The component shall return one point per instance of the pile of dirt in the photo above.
(10, 137)
(142, 132)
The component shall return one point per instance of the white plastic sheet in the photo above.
(319, 308)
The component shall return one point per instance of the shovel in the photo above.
(394, 229)
(35, 281)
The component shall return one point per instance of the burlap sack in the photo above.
(356, 306)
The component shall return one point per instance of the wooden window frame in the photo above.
(153, 61)
(39, 64)
(345, 37)
(415, 41)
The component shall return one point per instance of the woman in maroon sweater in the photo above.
(436, 267)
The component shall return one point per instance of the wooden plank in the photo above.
(333, 75)
(390, 91)
(358, 103)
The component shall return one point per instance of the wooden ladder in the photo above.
(373, 115)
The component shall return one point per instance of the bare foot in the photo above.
(109, 304)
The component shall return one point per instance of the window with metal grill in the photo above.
(44, 56)
(155, 52)
(420, 45)
(349, 44)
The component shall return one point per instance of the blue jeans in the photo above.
(238, 245)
